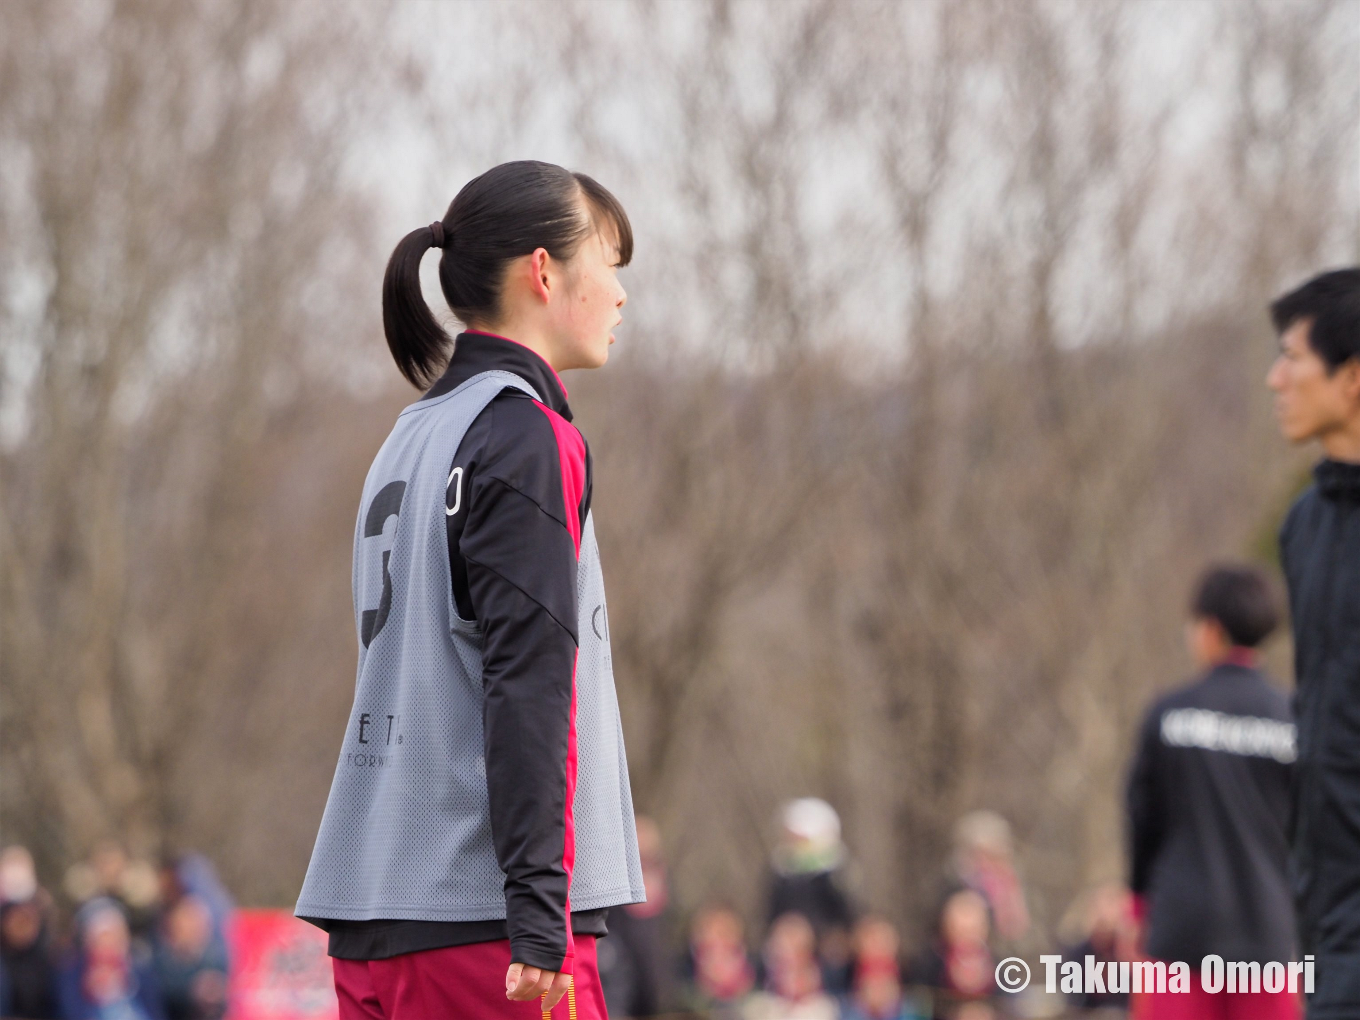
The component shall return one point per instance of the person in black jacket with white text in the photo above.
(1316, 381)
(1208, 806)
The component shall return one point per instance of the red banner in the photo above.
(279, 969)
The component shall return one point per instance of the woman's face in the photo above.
(584, 321)
(964, 921)
(188, 927)
(106, 935)
(21, 926)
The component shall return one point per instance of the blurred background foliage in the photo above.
(942, 376)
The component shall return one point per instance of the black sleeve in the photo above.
(1144, 805)
(521, 575)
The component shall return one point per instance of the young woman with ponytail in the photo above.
(480, 823)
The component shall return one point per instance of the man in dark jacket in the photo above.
(1209, 807)
(1316, 381)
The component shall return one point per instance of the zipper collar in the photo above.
(1338, 480)
(475, 352)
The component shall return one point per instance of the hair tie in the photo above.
(437, 229)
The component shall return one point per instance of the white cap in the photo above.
(18, 880)
(814, 820)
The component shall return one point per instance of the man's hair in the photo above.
(1331, 302)
(1241, 598)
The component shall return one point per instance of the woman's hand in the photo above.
(524, 983)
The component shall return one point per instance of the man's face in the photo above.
(1309, 402)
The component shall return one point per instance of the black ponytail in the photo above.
(506, 213)
(418, 343)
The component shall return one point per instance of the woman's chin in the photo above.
(598, 356)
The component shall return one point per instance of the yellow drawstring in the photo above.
(571, 1003)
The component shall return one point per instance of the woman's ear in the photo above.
(541, 283)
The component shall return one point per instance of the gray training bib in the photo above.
(406, 833)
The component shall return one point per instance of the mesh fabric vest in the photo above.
(406, 832)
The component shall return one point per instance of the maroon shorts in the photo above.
(1197, 1004)
(459, 983)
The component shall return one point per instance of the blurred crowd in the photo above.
(127, 940)
(132, 941)
(822, 952)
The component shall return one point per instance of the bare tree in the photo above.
(181, 223)
(941, 380)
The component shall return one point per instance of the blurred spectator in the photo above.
(101, 874)
(1111, 935)
(26, 972)
(30, 979)
(984, 862)
(18, 877)
(809, 879)
(793, 978)
(133, 885)
(958, 967)
(720, 969)
(191, 962)
(194, 874)
(876, 993)
(634, 960)
(102, 979)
